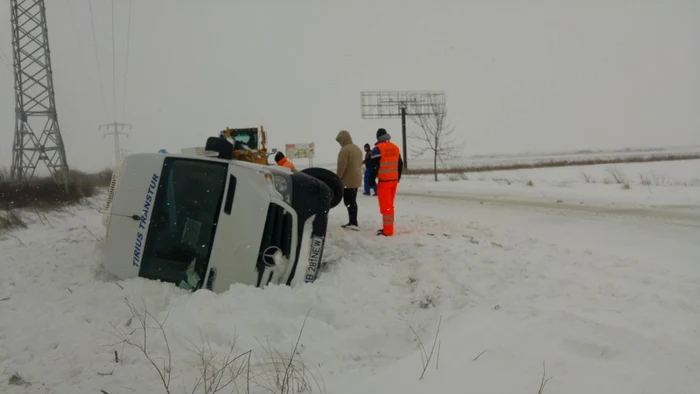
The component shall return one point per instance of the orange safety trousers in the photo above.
(386, 192)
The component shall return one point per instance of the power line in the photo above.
(114, 68)
(75, 25)
(4, 58)
(126, 62)
(97, 58)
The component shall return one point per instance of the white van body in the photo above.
(204, 222)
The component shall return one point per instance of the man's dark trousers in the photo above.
(368, 175)
(350, 201)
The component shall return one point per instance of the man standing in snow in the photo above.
(368, 172)
(350, 172)
(387, 167)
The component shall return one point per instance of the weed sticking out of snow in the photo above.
(426, 357)
(545, 379)
(16, 380)
(287, 373)
(458, 177)
(9, 220)
(617, 176)
(224, 368)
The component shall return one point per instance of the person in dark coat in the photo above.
(368, 171)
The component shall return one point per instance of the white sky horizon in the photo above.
(544, 76)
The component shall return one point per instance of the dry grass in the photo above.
(230, 371)
(555, 163)
(9, 219)
(544, 379)
(15, 379)
(650, 179)
(286, 373)
(424, 355)
(458, 177)
(617, 177)
(45, 193)
(588, 178)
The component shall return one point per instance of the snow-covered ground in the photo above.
(661, 183)
(608, 298)
(426, 161)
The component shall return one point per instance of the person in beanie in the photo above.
(281, 160)
(387, 166)
(368, 173)
(349, 170)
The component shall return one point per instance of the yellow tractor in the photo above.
(249, 144)
(246, 145)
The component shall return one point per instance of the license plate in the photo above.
(314, 258)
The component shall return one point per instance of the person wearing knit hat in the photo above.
(387, 166)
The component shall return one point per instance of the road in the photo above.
(686, 215)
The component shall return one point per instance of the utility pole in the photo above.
(115, 128)
(404, 138)
(393, 104)
(37, 133)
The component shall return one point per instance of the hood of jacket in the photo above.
(343, 138)
(385, 137)
(349, 168)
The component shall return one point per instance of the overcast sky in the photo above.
(519, 76)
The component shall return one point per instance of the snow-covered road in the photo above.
(609, 300)
(688, 215)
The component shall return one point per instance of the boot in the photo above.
(351, 226)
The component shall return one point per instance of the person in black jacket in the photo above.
(368, 171)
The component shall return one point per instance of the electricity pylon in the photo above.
(37, 134)
(114, 129)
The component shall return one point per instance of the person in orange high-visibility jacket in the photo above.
(281, 160)
(386, 167)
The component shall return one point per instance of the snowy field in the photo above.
(426, 161)
(608, 297)
(632, 184)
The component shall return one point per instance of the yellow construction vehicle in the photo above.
(246, 144)
(249, 144)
